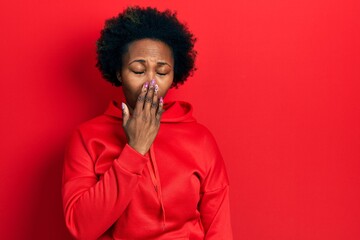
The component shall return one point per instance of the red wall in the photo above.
(277, 84)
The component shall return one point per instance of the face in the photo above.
(145, 60)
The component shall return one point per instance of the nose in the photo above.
(151, 70)
(151, 75)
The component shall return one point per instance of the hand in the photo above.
(143, 125)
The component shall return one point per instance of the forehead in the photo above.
(149, 49)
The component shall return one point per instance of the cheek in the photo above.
(132, 86)
(164, 87)
(131, 92)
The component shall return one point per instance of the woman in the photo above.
(145, 169)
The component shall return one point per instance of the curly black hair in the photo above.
(137, 23)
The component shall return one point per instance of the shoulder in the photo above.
(99, 120)
(101, 130)
(203, 134)
(201, 138)
(98, 124)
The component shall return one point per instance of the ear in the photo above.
(118, 76)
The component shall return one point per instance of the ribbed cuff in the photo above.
(131, 160)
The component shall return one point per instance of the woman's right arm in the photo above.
(91, 205)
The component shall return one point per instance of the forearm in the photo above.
(215, 215)
(91, 206)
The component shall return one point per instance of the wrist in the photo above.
(140, 150)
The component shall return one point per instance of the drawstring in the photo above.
(156, 182)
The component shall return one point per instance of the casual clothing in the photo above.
(178, 190)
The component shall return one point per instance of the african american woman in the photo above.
(145, 169)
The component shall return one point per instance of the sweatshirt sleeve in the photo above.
(214, 202)
(92, 205)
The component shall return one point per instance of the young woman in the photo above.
(145, 169)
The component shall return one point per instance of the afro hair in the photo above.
(136, 23)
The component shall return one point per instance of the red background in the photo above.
(277, 84)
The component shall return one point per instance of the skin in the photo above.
(147, 73)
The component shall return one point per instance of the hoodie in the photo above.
(178, 190)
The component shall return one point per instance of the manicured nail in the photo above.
(123, 106)
(146, 85)
(152, 83)
(156, 88)
(161, 100)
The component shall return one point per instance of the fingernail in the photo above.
(161, 100)
(152, 82)
(156, 88)
(123, 106)
(146, 85)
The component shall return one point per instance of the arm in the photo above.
(91, 205)
(214, 203)
(215, 214)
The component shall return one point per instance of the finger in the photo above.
(149, 96)
(160, 109)
(155, 104)
(141, 98)
(125, 113)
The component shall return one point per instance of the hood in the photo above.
(175, 112)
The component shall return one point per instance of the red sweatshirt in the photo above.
(178, 190)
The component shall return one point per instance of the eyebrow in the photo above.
(143, 61)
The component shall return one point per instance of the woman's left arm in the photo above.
(214, 204)
(215, 214)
